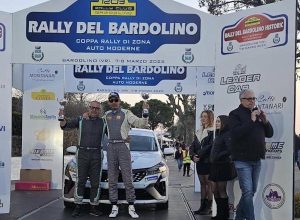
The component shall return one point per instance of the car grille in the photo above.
(137, 175)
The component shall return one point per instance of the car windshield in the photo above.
(139, 143)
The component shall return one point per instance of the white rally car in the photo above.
(149, 173)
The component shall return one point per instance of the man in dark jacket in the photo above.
(249, 128)
(89, 155)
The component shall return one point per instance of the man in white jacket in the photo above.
(119, 122)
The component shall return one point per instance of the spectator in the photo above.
(249, 127)
(222, 168)
(179, 158)
(200, 152)
(186, 161)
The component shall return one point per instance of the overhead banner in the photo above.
(117, 32)
(131, 79)
(5, 109)
(256, 50)
(42, 142)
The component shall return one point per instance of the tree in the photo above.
(218, 7)
(160, 113)
(184, 107)
(105, 106)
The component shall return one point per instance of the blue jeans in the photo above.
(248, 174)
(179, 163)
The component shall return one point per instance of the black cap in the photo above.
(113, 95)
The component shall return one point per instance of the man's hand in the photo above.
(263, 117)
(255, 114)
(86, 115)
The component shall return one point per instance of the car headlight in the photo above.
(158, 168)
(71, 169)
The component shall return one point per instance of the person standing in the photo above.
(249, 127)
(200, 152)
(89, 155)
(222, 168)
(186, 161)
(179, 158)
(119, 122)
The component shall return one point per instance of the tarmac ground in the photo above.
(48, 205)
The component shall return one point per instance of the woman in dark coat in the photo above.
(200, 153)
(222, 168)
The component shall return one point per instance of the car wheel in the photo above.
(162, 205)
(69, 205)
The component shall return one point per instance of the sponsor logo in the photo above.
(113, 7)
(188, 57)
(81, 86)
(178, 87)
(129, 75)
(42, 153)
(2, 37)
(2, 164)
(1, 204)
(42, 116)
(240, 79)
(297, 76)
(274, 150)
(210, 76)
(269, 103)
(210, 107)
(43, 74)
(258, 31)
(37, 54)
(208, 93)
(92, 33)
(273, 196)
(43, 95)
(2, 128)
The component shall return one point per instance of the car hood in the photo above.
(140, 159)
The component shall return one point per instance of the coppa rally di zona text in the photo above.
(129, 69)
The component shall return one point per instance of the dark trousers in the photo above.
(186, 168)
(89, 163)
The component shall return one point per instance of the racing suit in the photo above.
(89, 156)
(118, 152)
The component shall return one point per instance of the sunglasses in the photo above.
(250, 99)
(113, 100)
(94, 108)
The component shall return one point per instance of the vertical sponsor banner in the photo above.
(297, 120)
(204, 99)
(5, 109)
(42, 137)
(131, 79)
(256, 50)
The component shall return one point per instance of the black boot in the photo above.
(203, 204)
(207, 210)
(76, 211)
(94, 211)
(224, 209)
(217, 217)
